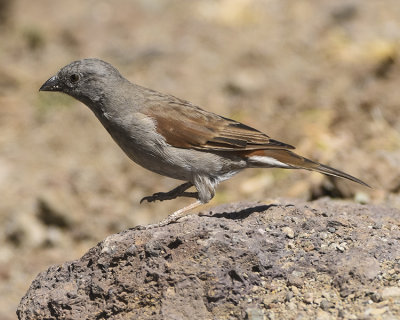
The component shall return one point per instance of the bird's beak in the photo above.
(51, 85)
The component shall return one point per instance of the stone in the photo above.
(288, 232)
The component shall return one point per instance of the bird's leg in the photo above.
(177, 192)
(174, 193)
(175, 216)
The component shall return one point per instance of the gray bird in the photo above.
(173, 137)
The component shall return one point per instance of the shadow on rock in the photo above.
(239, 215)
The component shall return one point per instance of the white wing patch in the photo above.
(269, 161)
(226, 176)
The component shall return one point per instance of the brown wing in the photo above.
(186, 126)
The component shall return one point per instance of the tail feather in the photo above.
(336, 173)
(287, 159)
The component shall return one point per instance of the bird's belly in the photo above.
(161, 165)
(183, 164)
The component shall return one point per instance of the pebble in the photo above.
(297, 273)
(333, 245)
(323, 247)
(308, 298)
(291, 245)
(289, 296)
(323, 235)
(295, 281)
(325, 304)
(377, 226)
(342, 247)
(294, 290)
(332, 229)
(254, 314)
(308, 246)
(288, 232)
(362, 197)
(376, 297)
(261, 231)
(255, 288)
(322, 315)
(292, 306)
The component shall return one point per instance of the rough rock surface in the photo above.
(281, 260)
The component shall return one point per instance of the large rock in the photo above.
(281, 260)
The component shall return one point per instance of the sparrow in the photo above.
(174, 137)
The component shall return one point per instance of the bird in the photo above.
(173, 137)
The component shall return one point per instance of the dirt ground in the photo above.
(320, 75)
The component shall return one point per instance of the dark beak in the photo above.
(51, 85)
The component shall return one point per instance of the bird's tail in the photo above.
(283, 158)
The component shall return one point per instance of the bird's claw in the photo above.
(157, 196)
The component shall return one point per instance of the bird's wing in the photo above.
(186, 126)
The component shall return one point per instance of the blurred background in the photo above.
(321, 75)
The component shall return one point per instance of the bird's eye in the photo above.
(74, 77)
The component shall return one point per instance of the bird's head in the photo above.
(85, 80)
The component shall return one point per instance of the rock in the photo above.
(254, 314)
(219, 265)
(288, 232)
(376, 297)
(295, 281)
(325, 305)
(289, 296)
(308, 298)
(323, 315)
(342, 247)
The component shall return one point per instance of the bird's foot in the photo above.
(174, 217)
(161, 196)
(177, 192)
